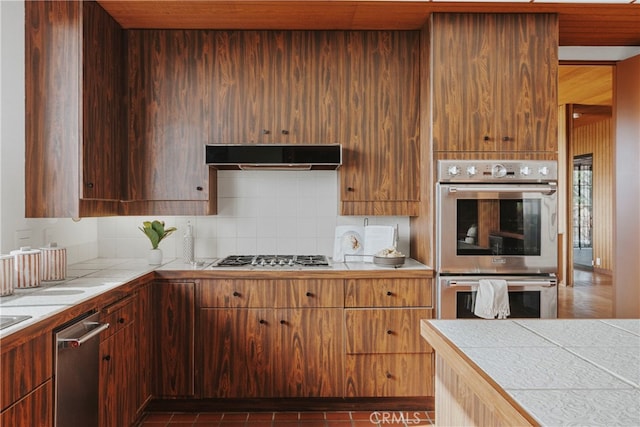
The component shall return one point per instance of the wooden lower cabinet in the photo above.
(385, 354)
(35, 409)
(173, 325)
(262, 352)
(118, 393)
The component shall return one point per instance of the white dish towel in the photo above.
(492, 299)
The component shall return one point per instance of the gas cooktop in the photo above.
(273, 261)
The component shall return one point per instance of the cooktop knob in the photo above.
(499, 171)
(525, 171)
(453, 170)
(472, 170)
(272, 263)
(544, 170)
(282, 262)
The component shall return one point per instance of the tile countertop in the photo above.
(90, 278)
(562, 372)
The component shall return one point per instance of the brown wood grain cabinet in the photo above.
(384, 353)
(275, 87)
(173, 338)
(494, 82)
(118, 392)
(27, 387)
(75, 111)
(380, 129)
(287, 345)
(169, 122)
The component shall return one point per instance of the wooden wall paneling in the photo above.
(169, 74)
(596, 138)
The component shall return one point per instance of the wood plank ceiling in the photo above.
(584, 24)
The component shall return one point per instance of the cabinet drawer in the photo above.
(309, 293)
(271, 293)
(25, 367)
(388, 293)
(237, 293)
(389, 375)
(118, 315)
(385, 331)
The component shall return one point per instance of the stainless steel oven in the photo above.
(497, 219)
(529, 296)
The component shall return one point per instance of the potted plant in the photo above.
(156, 232)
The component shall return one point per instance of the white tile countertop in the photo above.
(90, 278)
(562, 372)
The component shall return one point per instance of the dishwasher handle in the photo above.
(77, 342)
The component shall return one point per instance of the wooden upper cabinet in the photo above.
(169, 73)
(275, 87)
(380, 123)
(75, 129)
(494, 82)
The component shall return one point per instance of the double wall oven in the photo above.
(497, 219)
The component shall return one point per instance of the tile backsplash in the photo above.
(258, 212)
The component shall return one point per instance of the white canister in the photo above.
(6, 275)
(27, 268)
(53, 263)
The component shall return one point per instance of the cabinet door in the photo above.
(169, 114)
(35, 409)
(103, 107)
(238, 349)
(494, 82)
(380, 125)
(118, 379)
(144, 343)
(173, 338)
(308, 353)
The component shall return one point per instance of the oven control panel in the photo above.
(497, 170)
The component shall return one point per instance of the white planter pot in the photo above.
(155, 256)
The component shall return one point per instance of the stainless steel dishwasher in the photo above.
(77, 371)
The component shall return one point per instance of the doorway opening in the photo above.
(583, 211)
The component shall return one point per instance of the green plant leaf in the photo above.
(155, 231)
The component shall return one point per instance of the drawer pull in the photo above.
(283, 322)
(389, 293)
(121, 320)
(236, 293)
(388, 375)
(389, 332)
(107, 358)
(309, 294)
(262, 322)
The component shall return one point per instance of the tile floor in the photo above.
(291, 419)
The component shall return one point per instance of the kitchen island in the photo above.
(536, 372)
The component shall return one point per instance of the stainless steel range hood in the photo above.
(274, 156)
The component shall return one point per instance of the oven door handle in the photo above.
(547, 190)
(540, 283)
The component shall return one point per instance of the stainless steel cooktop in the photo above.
(273, 261)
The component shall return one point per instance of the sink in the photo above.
(9, 320)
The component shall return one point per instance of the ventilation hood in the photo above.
(274, 156)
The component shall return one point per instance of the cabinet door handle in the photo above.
(285, 132)
(283, 322)
(263, 322)
(389, 293)
(389, 332)
(486, 138)
(351, 189)
(309, 294)
(107, 358)
(506, 138)
(90, 184)
(121, 320)
(388, 375)
(236, 293)
(266, 131)
(199, 188)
